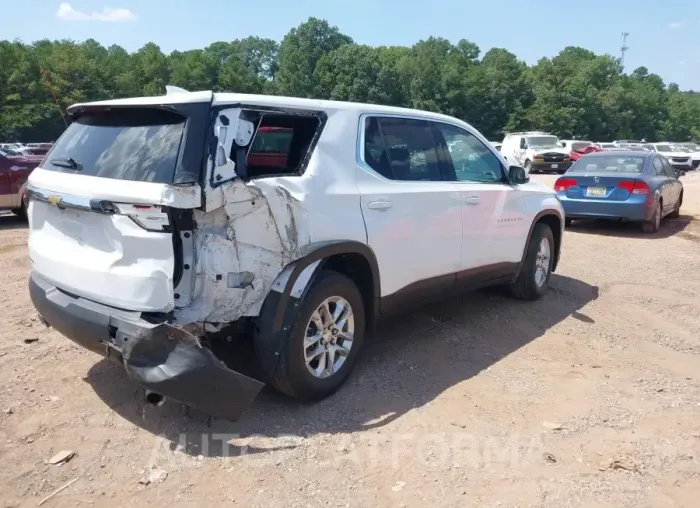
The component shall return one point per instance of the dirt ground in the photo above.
(589, 397)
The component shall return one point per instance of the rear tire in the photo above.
(293, 372)
(677, 210)
(21, 212)
(536, 271)
(652, 226)
(567, 222)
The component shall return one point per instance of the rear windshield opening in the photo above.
(611, 164)
(280, 144)
(137, 144)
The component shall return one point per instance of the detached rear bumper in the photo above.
(157, 356)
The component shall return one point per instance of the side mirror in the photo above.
(523, 145)
(517, 175)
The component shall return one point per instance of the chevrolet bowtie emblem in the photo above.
(54, 200)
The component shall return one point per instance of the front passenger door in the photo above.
(494, 224)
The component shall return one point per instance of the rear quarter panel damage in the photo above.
(243, 246)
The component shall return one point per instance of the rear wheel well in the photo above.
(357, 268)
(554, 224)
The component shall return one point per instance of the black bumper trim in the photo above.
(547, 166)
(157, 356)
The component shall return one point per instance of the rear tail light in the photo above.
(563, 184)
(634, 186)
(149, 217)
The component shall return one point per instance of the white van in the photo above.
(536, 151)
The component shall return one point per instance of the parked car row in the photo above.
(14, 171)
(26, 148)
(539, 151)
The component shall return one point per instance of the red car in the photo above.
(578, 150)
(14, 171)
(270, 147)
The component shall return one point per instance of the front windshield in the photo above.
(664, 148)
(680, 148)
(542, 142)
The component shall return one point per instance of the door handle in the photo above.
(381, 204)
(472, 200)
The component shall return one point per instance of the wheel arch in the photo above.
(353, 259)
(555, 221)
(281, 305)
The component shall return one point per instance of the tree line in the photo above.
(576, 94)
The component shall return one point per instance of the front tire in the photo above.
(324, 341)
(21, 212)
(528, 168)
(536, 271)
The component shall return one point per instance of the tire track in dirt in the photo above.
(667, 313)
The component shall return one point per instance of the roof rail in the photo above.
(528, 132)
(170, 89)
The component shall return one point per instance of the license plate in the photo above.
(595, 191)
(555, 166)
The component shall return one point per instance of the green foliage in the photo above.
(574, 94)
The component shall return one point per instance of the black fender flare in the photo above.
(554, 213)
(280, 308)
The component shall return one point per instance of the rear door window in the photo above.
(402, 149)
(134, 144)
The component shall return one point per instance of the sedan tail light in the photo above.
(634, 186)
(562, 184)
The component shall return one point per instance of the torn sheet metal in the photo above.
(243, 246)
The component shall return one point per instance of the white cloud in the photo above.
(675, 25)
(67, 12)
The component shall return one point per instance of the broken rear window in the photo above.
(136, 144)
(281, 144)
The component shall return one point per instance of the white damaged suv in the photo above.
(156, 222)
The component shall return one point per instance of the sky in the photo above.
(664, 36)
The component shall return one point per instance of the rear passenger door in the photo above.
(494, 226)
(411, 209)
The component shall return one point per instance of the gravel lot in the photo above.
(589, 397)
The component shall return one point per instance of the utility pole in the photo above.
(623, 49)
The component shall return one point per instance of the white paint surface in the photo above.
(106, 258)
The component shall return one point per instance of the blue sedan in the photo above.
(631, 186)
